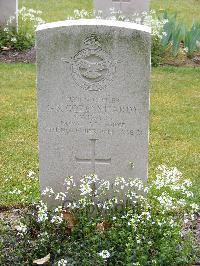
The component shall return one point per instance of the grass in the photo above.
(56, 10)
(174, 128)
(18, 134)
(187, 10)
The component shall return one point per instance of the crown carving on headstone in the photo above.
(92, 42)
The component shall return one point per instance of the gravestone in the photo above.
(8, 8)
(126, 7)
(93, 100)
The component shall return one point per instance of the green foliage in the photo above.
(16, 40)
(192, 39)
(24, 37)
(103, 230)
(177, 33)
(174, 32)
(157, 51)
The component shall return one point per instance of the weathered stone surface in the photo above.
(127, 7)
(93, 100)
(8, 8)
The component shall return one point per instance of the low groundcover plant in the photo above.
(99, 223)
(24, 37)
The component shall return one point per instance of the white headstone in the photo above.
(93, 100)
(126, 7)
(8, 8)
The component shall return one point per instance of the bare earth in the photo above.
(10, 56)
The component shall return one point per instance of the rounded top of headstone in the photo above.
(94, 22)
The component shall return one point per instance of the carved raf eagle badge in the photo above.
(92, 68)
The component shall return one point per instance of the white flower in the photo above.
(57, 219)
(186, 220)
(189, 194)
(31, 15)
(8, 178)
(32, 10)
(58, 209)
(60, 196)
(69, 182)
(187, 183)
(31, 173)
(16, 191)
(120, 182)
(42, 212)
(195, 206)
(48, 190)
(62, 262)
(43, 236)
(90, 179)
(136, 183)
(165, 200)
(11, 18)
(21, 228)
(104, 254)
(147, 215)
(85, 189)
(13, 39)
(181, 202)
(105, 184)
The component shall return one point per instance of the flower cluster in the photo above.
(169, 192)
(104, 222)
(146, 18)
(172, 191)
(21, 229)
(57, 216)
(105, 254)
(62, 262)
(42, 212)
(15, 191)
(48, 191)
(30, 15)
(151, 19)
(31, 174)
(25, 191)
(23, 37)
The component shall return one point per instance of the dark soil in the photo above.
(187, 62)
(11, 56)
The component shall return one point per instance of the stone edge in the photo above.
(94, 22)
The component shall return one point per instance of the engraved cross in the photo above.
(93, 160)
